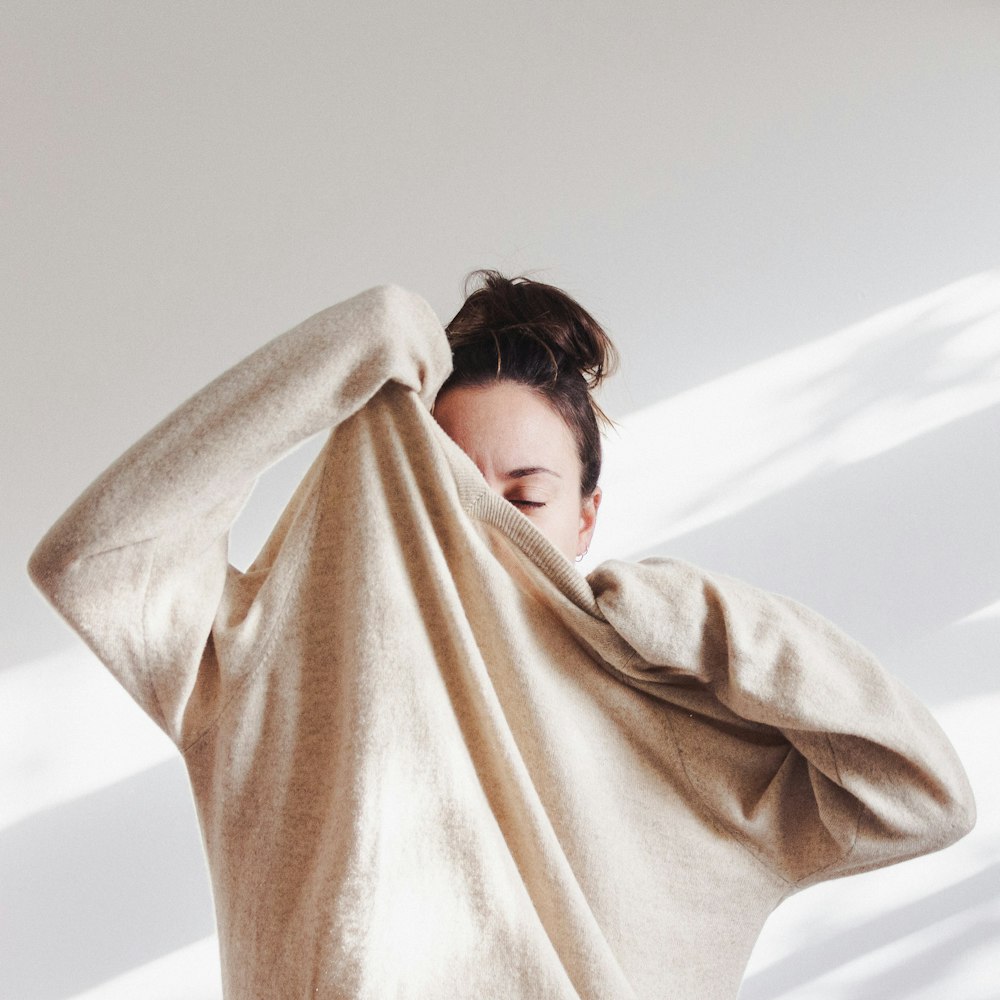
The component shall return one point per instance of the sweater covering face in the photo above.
(429, 758)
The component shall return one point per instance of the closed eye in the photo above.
(527, 503)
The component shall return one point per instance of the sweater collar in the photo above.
(482, 503)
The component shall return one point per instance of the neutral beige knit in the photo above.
(430, 759)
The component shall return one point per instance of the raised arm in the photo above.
(138, 564)
(790, 733)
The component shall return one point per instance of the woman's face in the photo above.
(527, 454)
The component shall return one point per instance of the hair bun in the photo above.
(503, 315)
(523, 331)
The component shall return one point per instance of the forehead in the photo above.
(507, 426)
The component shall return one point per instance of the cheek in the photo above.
(560, 525)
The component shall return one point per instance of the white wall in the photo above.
(787, 216)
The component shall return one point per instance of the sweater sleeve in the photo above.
(139, 563)
(790, 733)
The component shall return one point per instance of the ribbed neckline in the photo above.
(485, 505)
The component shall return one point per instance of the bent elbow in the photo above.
(951, 809)
(958, 815)
(47, 567)
(943, 819)
(58, 568)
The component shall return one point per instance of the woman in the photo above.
(429, 758)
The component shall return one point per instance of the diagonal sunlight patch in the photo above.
(989, 613)
(66, 729)
(191, 972)
(716, 449)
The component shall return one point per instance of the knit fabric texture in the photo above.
(430, 759)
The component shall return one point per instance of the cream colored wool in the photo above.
(430, 759)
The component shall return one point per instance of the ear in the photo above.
(588, 521)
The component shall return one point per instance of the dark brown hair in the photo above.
(524, 331)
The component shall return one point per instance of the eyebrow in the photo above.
(531, 470)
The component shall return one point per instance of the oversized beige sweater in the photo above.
(430, 759)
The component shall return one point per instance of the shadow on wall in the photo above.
(106, 882)
(723, 446)
(905, 976)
